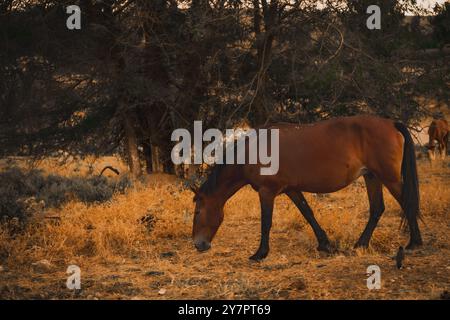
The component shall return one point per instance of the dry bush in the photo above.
(18, 187)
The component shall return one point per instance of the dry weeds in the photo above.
(123, 257)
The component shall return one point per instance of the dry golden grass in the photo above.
(121, 258)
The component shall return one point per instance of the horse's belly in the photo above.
(327, 179)
(322, 159)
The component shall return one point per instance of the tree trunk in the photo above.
(264, 44)
(148, 158)
(132, 146)
(167, 164)
(156, 159)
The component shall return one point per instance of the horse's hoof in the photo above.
(258, 257)
(413, 245)
(327, 248)
(361, 245)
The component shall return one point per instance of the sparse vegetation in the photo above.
(74, 102)
(19, 190)
(140, 242)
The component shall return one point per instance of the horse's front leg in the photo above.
(266, 199)
(443, 148)
(305, 209)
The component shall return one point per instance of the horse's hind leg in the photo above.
(441, 149)
(444, 147)
(305, 209)
(375, 194)
(395, 188)
(266, 199)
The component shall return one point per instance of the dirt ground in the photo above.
(123, 256)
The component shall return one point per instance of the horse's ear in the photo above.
(194, 189)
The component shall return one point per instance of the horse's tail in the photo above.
(410, 184)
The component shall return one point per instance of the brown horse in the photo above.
(323, 157)
(438, 131)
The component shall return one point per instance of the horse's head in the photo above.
(208, 217)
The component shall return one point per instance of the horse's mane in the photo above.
(211, 182)
(210, 185)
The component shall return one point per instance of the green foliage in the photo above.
(441, 23)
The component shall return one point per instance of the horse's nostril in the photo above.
(202, 245)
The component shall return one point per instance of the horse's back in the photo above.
(328, 155)
(438, 129)
(340, 125)
(342, 134)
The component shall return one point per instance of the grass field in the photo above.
(123, 255)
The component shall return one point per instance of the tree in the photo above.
(139, 69)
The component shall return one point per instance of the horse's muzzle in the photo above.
(202, 245)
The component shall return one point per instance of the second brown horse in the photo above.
(322, 158)
(438, 132)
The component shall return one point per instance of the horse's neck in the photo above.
(229, 182)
